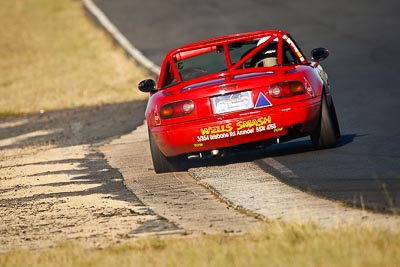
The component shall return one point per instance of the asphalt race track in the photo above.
(364, 40)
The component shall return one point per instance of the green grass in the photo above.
(280, 244)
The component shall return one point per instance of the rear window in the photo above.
(201, 65)
(212, 61)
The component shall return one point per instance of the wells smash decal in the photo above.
(262, 101)
(244, 127)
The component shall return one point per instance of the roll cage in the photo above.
(229, 53)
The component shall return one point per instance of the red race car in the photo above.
(249, 88)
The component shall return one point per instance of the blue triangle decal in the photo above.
(262, 101)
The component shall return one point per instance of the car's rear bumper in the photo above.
(237, 129)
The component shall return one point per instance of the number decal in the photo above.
(180, 65)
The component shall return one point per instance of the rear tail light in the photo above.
(275, 90)
(177, 109)
(297, 88)
(286, 89)
(167, 111)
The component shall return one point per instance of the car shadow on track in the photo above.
(374, 193)
(245, 155)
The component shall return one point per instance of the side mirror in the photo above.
(147, 86)
(319, 54)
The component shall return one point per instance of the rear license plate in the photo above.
(232, 102)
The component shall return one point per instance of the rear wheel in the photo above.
(162, 163)
(335, 120)
(327, 130)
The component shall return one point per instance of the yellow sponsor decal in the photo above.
(251, 123)
(229, 130)
(224, 128)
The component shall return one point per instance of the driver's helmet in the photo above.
(267, 57)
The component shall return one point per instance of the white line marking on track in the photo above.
(120, 38)
(280, 167)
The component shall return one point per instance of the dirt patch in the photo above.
(56, 186)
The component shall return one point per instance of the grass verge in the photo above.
(53, 57)
(278, 245)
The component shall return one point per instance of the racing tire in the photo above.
(327, 131)
(335, 121)
(161, 163)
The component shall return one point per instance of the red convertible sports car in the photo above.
(253, 88)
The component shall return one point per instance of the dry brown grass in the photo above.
(280, 244)
(53, 57)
